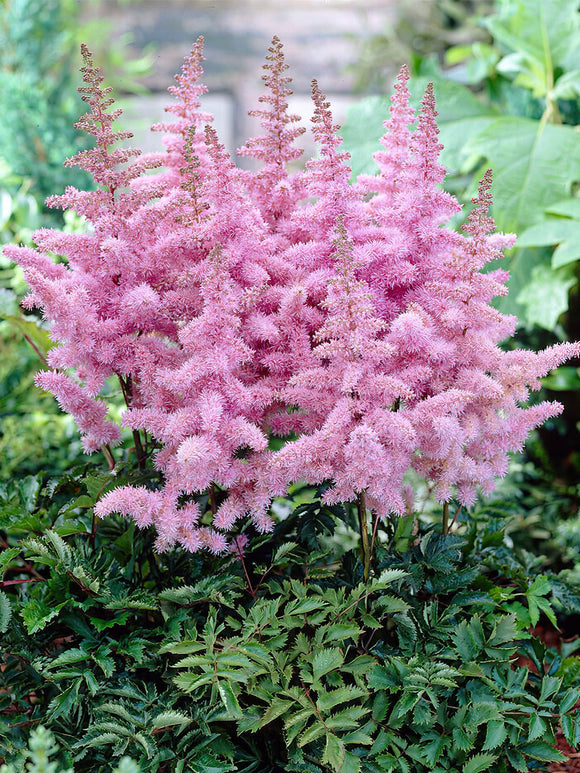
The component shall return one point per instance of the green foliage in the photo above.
(42, 746)
(282, 660)
(37, 95)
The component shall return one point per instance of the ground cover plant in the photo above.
(269, 366)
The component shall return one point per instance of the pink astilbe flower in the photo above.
(273, 188)
(204, 412)
(89, 414)
(187, 91)
(467, 411)
(360, 443)
(396, 141)
(327, 181)
(230, 310)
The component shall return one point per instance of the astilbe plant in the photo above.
(234, 306)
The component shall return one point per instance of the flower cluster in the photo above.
(234, 306)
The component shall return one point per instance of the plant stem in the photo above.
(127, 389)
(108, 454)
(445, 521)
(455, 516)
(364, 535)
(212, 502)
(139, 452)
(251, 589)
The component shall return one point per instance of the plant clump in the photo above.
(235, 308)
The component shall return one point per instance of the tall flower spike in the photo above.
(187, 108)
(101, 162)
(423, 168)
(328, 180)
(395, 141)
(274, 190)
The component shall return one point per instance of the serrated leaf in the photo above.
(62, 703)
(388, 577)
(104, 661)
(504, 631)
(334, 752)
(571, 729)
(37, 614)
(537, 727)
(461, 740)
(517, 760)
(282, 552)
(7, 555)
(305, 606)
(391, 604)
(118, 710)
(341, 632)
(229, 699)
(182, 647)
(61, 549)
(192, 682)
(405, 703)
(276, 709)
(312, 734)
(550, 685)
(170, 719)
(468, 641)
(299, 717)
(102, 625)
(73, 655)
(495, 734)
(328, 699)
(538, 750)
(570, 699)
(351, 764)
(326, 660)
(479, 763)
(347, 719)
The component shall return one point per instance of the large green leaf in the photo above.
(561, 227)
(534, 165)
(545, 296)
(545, 33)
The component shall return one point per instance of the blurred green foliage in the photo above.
(421, 28)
